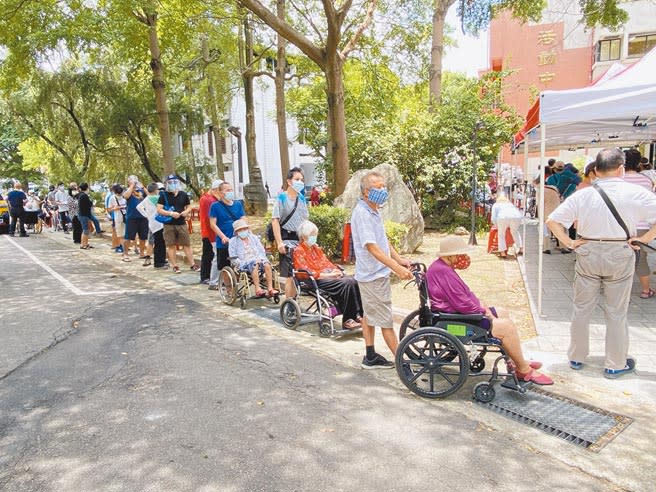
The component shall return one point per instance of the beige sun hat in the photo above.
(240, 224)
(453, 245)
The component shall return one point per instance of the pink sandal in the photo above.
(534, 377)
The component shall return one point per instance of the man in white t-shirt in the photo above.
(61, 200)
(605, 259)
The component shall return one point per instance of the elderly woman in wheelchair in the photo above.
(448, 293)
(247, 255)
(330, 279)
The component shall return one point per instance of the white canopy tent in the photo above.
(619, 109)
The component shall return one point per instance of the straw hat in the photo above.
(453, 245)
(239, 224)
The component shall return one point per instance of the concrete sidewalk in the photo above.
(627, 463)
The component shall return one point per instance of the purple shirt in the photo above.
(448, 293)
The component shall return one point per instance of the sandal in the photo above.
(273, 292)
(126, 259)
(176, 269)
(534, 377)
(351, 324)
(194, 267)
(260, 293)
(648, 294)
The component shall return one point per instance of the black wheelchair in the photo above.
(311, 305)
(438, 351)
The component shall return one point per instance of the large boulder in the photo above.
(400, 207)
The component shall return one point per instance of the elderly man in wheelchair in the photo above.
(448, 293)
(247, 255)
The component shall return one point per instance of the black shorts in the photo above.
(286, 265)
(136, 227)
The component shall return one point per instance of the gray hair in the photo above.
(306, 229)
(609, 160)
(365, 182)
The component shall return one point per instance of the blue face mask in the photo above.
(243, 234)
(230, 195)
(311, 240)
(298, 185)
(378, 195)
(173, 187)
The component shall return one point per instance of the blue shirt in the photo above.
(367, 228)
(131, 211)
(16, 198)
(225, 215)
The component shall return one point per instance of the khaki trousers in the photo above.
(607, 268)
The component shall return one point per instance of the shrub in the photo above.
(330, 221)
(395, 233)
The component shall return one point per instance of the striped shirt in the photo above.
(645, 182)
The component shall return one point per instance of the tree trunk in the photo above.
(159, 86)
(437, 51)
(214, 111)
(337, 122)
(254, 192)
(281, 115)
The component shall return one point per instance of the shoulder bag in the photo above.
(269, 230)
(165, 219)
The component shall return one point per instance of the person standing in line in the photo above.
(85, 207)
(375, 259)
(17, 199)
(289, 212)
(223, 213)
(156, 247)
(137, 224)
(209, 273)
(647, 169)
(116, 207)
(632, 175)
(506, 216)
(175, 203)
(605, 259)
(73, 209)
(61, 200)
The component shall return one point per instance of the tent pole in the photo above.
(525, 197)
(543, 148)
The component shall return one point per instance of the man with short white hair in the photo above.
(375, 259)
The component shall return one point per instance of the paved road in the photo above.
(109, 384)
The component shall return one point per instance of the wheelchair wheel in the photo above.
(484, 392)
(409, 324)
(38, 227)
(432, 363)
(290, 314)
(228, 286)
(325, 329)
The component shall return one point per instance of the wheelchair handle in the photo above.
(643, 245)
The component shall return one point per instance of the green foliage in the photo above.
(330, 221)
(395, 233)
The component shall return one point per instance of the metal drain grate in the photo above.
(575, 422)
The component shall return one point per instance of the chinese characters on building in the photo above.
(547, 56)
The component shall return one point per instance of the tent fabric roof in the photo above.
(615, 110)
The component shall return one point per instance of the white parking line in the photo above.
(65, 282)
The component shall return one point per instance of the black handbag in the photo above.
(283, 233)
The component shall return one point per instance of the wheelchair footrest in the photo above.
(521, 386)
